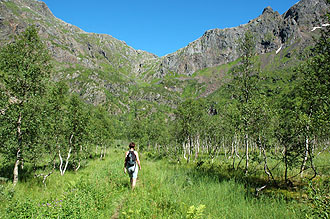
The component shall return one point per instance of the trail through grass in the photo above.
(164, 190)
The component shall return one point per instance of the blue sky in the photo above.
(160, 27)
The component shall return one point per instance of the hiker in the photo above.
(131, 158)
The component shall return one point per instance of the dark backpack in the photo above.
(130, 159)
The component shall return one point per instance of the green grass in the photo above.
(170, 193)
(13, 7)
(164, 190)
(89, 193)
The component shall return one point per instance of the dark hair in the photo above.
(131, 145)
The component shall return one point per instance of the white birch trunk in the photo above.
(19, 140)
(62, 170)
(15, 172)
(197, 145)
(101, 152)
(184, 151)
(305, 157)
(246, 153)
(77, 168)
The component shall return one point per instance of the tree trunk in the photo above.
(196, 147)
(18, 153)
(224, 147)
(45, 176)
(15, 172)
(246, 153)
(232, 149)
(266, 169)
(235, 145)
(102, 152)
(62, 170)
(236, 142)
(189, 149)
(305, 157)
(184, 150)
(61, 161)
(312, 164)
(77, 168)
(234, 158)
(286, 165)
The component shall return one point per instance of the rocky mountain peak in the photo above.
(268, 10)
(272, 31)
(307, 13)
(107, 63)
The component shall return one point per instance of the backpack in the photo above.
(130, 159)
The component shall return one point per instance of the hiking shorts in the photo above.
(133, 171)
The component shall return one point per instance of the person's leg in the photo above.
(135, 173)
(133, 183)
(130, 171)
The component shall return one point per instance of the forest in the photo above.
(259, 142)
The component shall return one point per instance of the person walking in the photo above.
(131, 162)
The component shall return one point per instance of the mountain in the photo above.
(105, 70)
(272, 30)
(98, 66)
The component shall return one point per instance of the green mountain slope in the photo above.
(104, 70)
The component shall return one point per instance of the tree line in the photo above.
(283, 114)
(42, 124)
(256, 115)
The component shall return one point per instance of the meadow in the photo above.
(165, 189)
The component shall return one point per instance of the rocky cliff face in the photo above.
(67, 43)
(104, 69)
(98, 66)
(272, 32)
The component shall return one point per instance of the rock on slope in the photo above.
(272, 31)
(103, 69)
(68, 43)
(98, 66)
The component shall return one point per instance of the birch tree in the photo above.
(190, 125)
(25, 66)
(244, 86)
(57, 106)
(78, 119)
(314, 87)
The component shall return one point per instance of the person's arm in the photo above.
(125, 162)
(138, 160)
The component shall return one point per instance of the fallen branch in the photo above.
(257, 190)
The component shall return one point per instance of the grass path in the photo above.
(172, 191)
(102, 190)
(118, 209)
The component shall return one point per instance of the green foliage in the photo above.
(13, 7)
(41, 120)
(318, 194)
(25, 70)
(195, 212)
(180, 191)
(257, 113)
(190, 119)
(314, 85)
(81, 197)
(177, 191)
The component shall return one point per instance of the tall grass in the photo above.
(171, 191)
(164, 190)
(89, 193)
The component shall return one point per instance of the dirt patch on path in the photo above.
(117, 211)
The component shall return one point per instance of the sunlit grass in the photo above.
(164, 190)
(168, 191)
